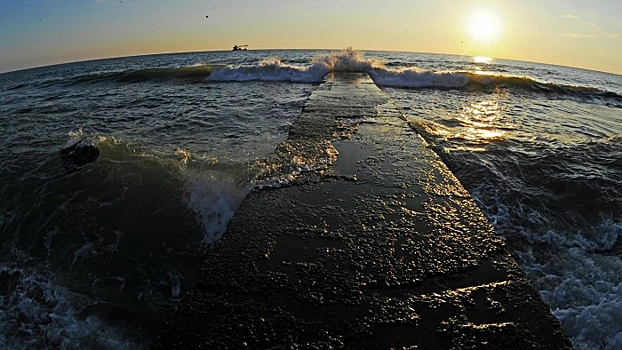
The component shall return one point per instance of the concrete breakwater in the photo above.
(382, 249)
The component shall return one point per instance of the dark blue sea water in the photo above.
(96, 255)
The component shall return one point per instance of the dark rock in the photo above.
(78, 155)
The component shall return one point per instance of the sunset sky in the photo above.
(577, 33)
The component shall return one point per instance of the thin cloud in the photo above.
(594, 26)
(571, 16)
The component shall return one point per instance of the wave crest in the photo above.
(417, 78)
(193, 74)
(347, 60)
(273, 69)
(270, 69)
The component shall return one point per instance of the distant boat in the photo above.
(239, 47)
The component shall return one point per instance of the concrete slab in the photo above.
(383, 250)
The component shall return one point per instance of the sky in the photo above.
(575, 33)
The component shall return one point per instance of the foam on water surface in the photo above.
(37, 313)
(582, 283)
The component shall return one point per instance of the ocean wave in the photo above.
(563, 187)
(387, 75)
(417, 78)
(214, 196)
(115, 248)
(211, 189)
(193, 74)
(16, 87)
(214, 188)
(533, 85)
(273, 69)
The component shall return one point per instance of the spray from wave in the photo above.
(273, 69)
(349, 60)
(214, 196)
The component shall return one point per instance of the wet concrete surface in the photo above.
(383, 249)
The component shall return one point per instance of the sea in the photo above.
(97, 254)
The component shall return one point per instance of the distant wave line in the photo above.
(275, 70)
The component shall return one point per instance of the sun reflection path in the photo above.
(482, 60)
(479, 125)
(474, 124)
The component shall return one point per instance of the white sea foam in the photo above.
(273, 69)
(579, 280)
(214, 197)
(75, 136)
(347, 60)
(575, 272)
(292, 159)
(588, 302)
(37, 314)
(417, 78)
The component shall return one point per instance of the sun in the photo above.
(484, 25)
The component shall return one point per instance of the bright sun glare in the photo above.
(484, 25)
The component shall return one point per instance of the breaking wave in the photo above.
(298, 71)
(418, 78)
(273, 69)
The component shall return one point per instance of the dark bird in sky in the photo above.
(205, 16)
